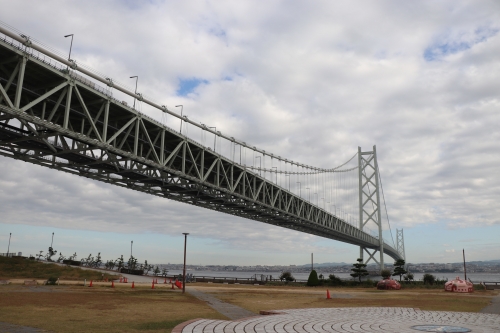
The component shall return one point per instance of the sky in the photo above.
(307, 80)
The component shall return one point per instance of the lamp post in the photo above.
(276, 174)
(288, 181)
(260, 163)
(135, 92)
(182, 108)
(52, 242)
(70, 46)
(184, 270)
(300, 189)
(131, 243)
(215, 135)
(8, 247)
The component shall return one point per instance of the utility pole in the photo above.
(8, 247)
(312, 262)
(184, 270)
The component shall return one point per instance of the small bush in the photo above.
(334, 280)
(313, 280)
(386, 273)
(52, 280)
(287, 276)
(429, 279)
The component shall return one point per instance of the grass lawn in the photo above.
(99, 309)
(12, 268)
(256, 298)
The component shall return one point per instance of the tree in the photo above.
(287, 276)
(50, 254)
(313, 280)
(359, 269)
(429, 278)
(386, 273)
(399, 268)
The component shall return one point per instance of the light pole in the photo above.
(300, 189)
(52, 242)
(70, 46)
(276, 174)
(182, 108)
(260, 163)
(131, 243)
(288, 181)
(215, 135)
(184, 270)
(8, 247)
(135, 93)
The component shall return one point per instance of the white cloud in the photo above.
(306, 82)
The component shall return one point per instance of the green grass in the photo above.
(20, 268)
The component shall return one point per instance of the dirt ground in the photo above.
(75, 308)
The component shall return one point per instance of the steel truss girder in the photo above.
(60, 121)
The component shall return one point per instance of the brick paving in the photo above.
(331, 320)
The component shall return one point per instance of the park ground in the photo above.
(77, 308)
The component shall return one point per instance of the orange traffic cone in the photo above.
(90, 285)
(173, 287)
(153, 285)
(133, 284)
(328, 294)
(121, 280)
(165, 281)
(112, 284)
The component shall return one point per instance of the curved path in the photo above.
(332, 320)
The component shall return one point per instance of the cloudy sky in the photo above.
(307, 80)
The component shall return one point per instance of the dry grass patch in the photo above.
(254, 299)
(80, 309)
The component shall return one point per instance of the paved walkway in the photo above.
(9, 328)
(229, 310)
(330, 320)
(494, 307)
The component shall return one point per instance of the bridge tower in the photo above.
(369, 201)
(400, 243)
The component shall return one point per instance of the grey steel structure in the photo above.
(400, 243)
(54, 117)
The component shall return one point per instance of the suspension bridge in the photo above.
(62, 115)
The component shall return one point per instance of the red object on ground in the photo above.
(178, 284)
(133, 286)
(126, 280)
(459, 286)
(153, 285)
(165, 282)
(112, 284)
(388, 284)
(170, 281)
(173, 286)
(328, 294)
(90, 285)
(121, 280)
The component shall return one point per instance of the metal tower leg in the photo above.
(400, 243)
(369, 199)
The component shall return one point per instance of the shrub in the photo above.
(335, 280)
(52, 280)
(313, 280)
(385, 273)
(429, 279)
(287, 276)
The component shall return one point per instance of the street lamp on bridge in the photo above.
(215, 135)
(276, 174)
(182, 108)
(70, 46)
(135, 92)
(300, 189)
(260, 163)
